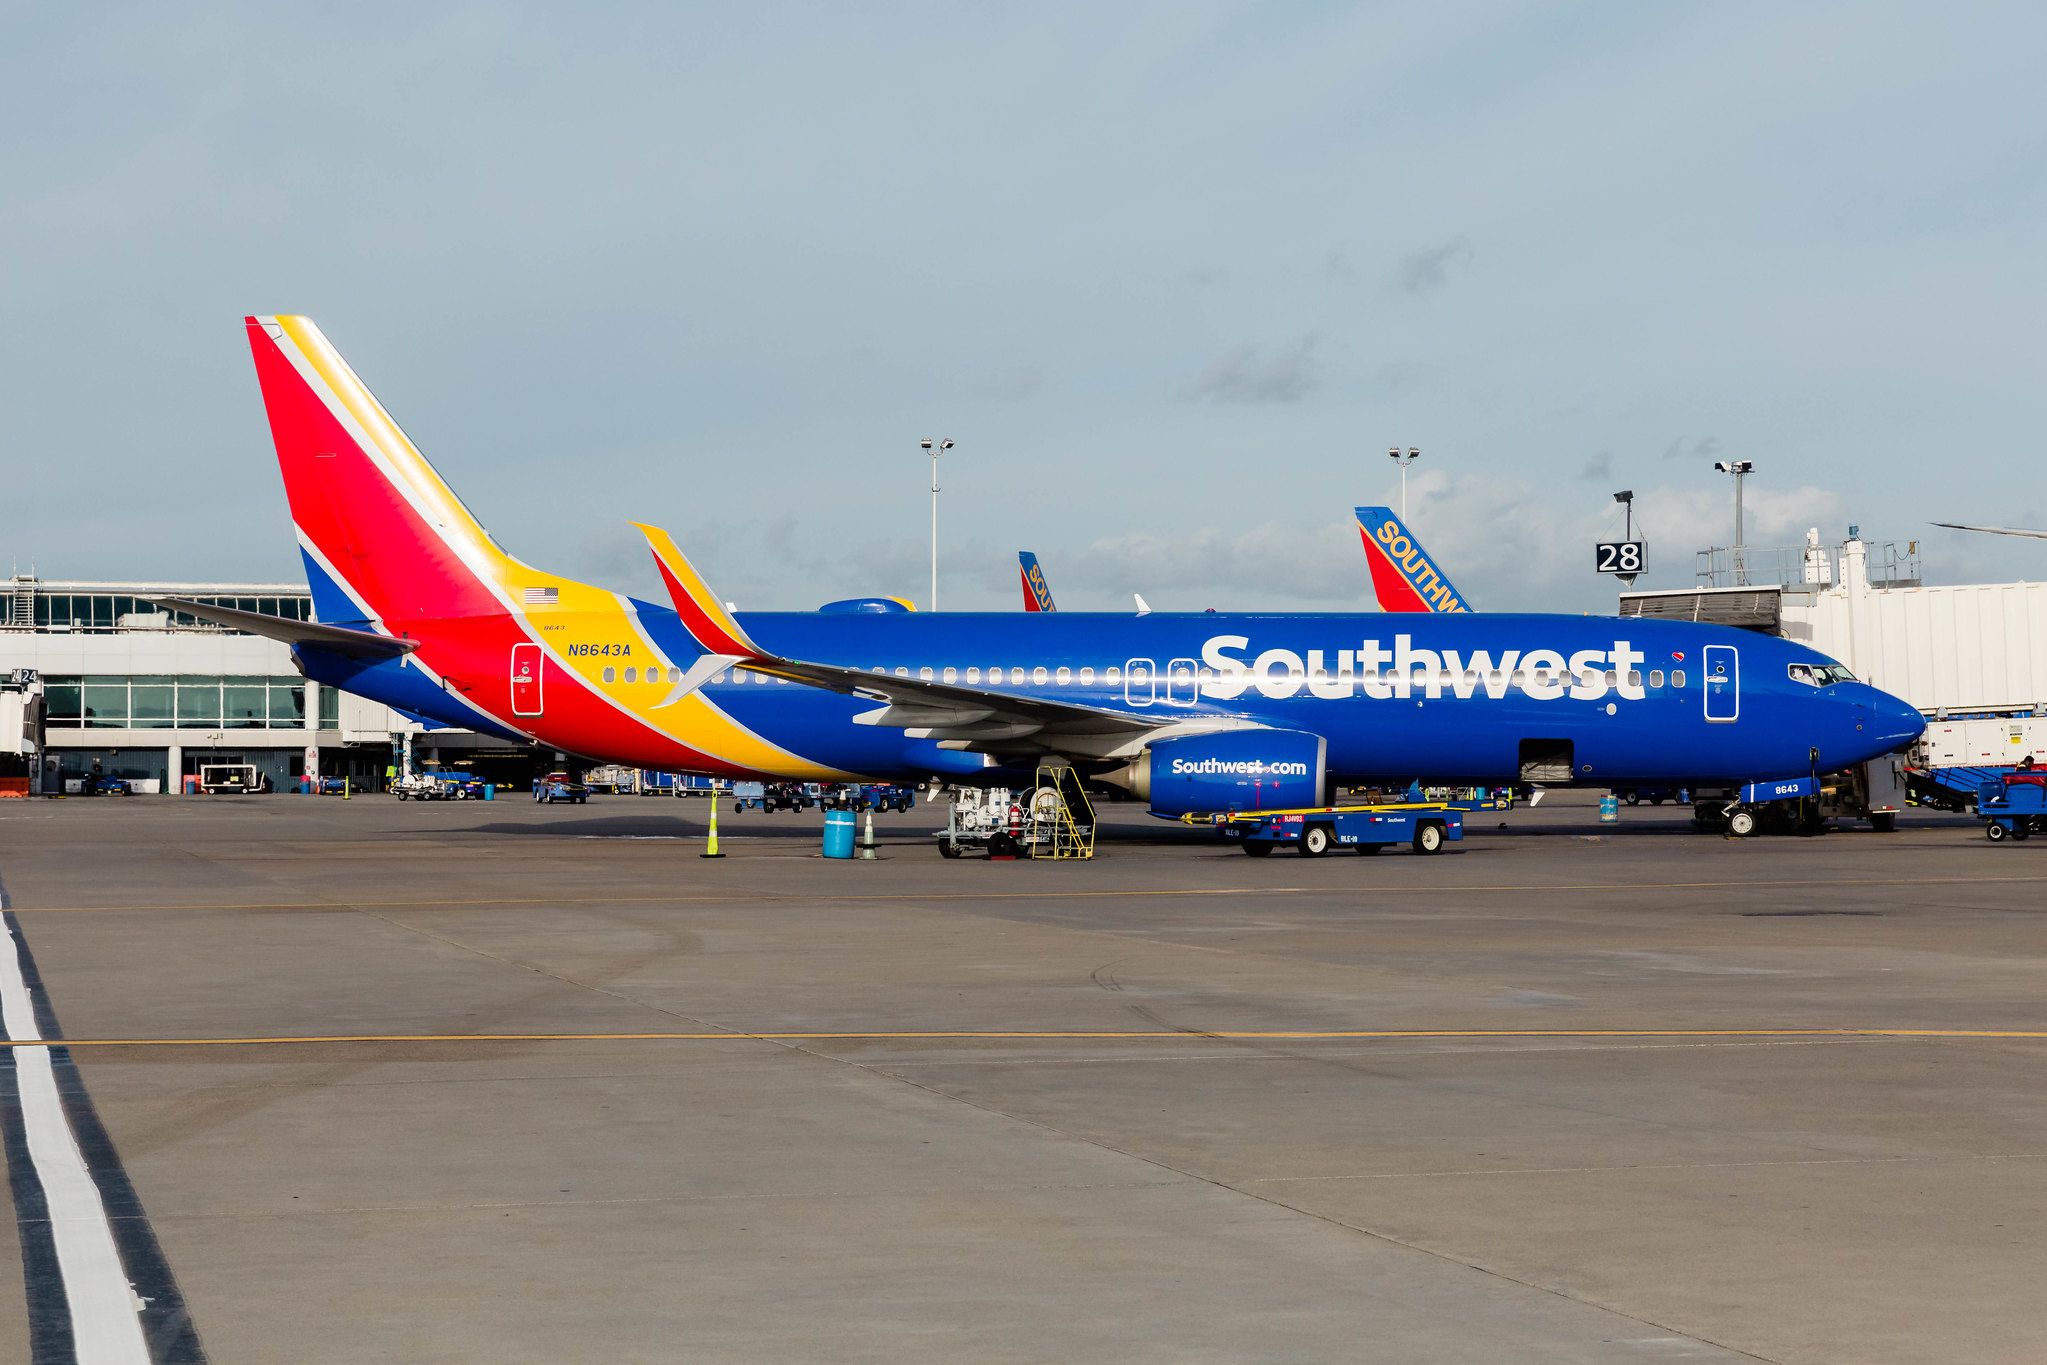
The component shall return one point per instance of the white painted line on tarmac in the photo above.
(105, 1321)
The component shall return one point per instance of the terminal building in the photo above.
(98, 679)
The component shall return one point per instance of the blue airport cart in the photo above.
(2012, 807)
(1365, 829)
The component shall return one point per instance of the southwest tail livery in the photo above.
(1037, 593)
(420, 608)
(1403, 576)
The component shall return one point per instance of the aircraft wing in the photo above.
(1993, 530)
(958, 717)
(361, 644)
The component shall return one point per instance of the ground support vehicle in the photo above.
(560, 787)
(748, 795)
(1425, 827)
(111, 786)
(1053, 819)
(883, 796)
(785, 796)
(1874, 791)
(228, 779)
(2013, 807)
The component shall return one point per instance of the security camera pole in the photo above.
(1403, 461)
(935, 449)
(1740, 469)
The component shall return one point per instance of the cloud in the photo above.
(1428, 270)
(1244, 374)
(1703, 449)
(1600, 466)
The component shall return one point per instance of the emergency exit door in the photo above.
(526, 680)
(1723, 682)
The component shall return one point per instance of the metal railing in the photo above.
(1890, 565)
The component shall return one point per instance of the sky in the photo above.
(1173, 277)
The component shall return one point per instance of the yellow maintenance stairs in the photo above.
(1061, 815)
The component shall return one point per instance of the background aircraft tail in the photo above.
(1037, 592)
(382, 535)
(1403, 576)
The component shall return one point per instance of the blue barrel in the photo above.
(838, 834)
(490, 791)
(1609, 809)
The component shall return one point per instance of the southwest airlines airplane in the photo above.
(418, 607)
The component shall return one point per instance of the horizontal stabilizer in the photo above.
(361, 644)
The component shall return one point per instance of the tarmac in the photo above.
(1568, 1092)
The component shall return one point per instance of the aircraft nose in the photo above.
(1893, 722)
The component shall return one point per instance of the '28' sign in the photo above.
(1619, 556)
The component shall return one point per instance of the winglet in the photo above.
(703, 616)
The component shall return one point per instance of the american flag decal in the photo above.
(543, 597)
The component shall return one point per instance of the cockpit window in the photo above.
(1820, 675)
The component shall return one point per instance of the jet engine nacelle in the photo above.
(1229, 770)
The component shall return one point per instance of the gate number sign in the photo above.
(1619, 556)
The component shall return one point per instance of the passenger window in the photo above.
(1677, 677)
(632, 675)
(1016, 677)
(675, 675)
(611, 675)
(1039, 676)
(952, 674)
(720, 678)
(1656, 677)
(1087, 677)
(1613, 678)
(924, 674)
(1634, 678)
(902, 673)
(1063, 676)
(1112, 676)
(973, 675)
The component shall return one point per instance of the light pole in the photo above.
(1403, 461)
(1740, 469)
(934, 449)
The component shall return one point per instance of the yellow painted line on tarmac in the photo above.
(1032, 1035)
(744, 896)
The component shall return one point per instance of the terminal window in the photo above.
(89, 611)
(157, 702)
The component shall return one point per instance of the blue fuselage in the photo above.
(1450, 698)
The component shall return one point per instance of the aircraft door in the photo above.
(1180, 682)
(1722, 666)
(1140, 682)
(526, 680)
